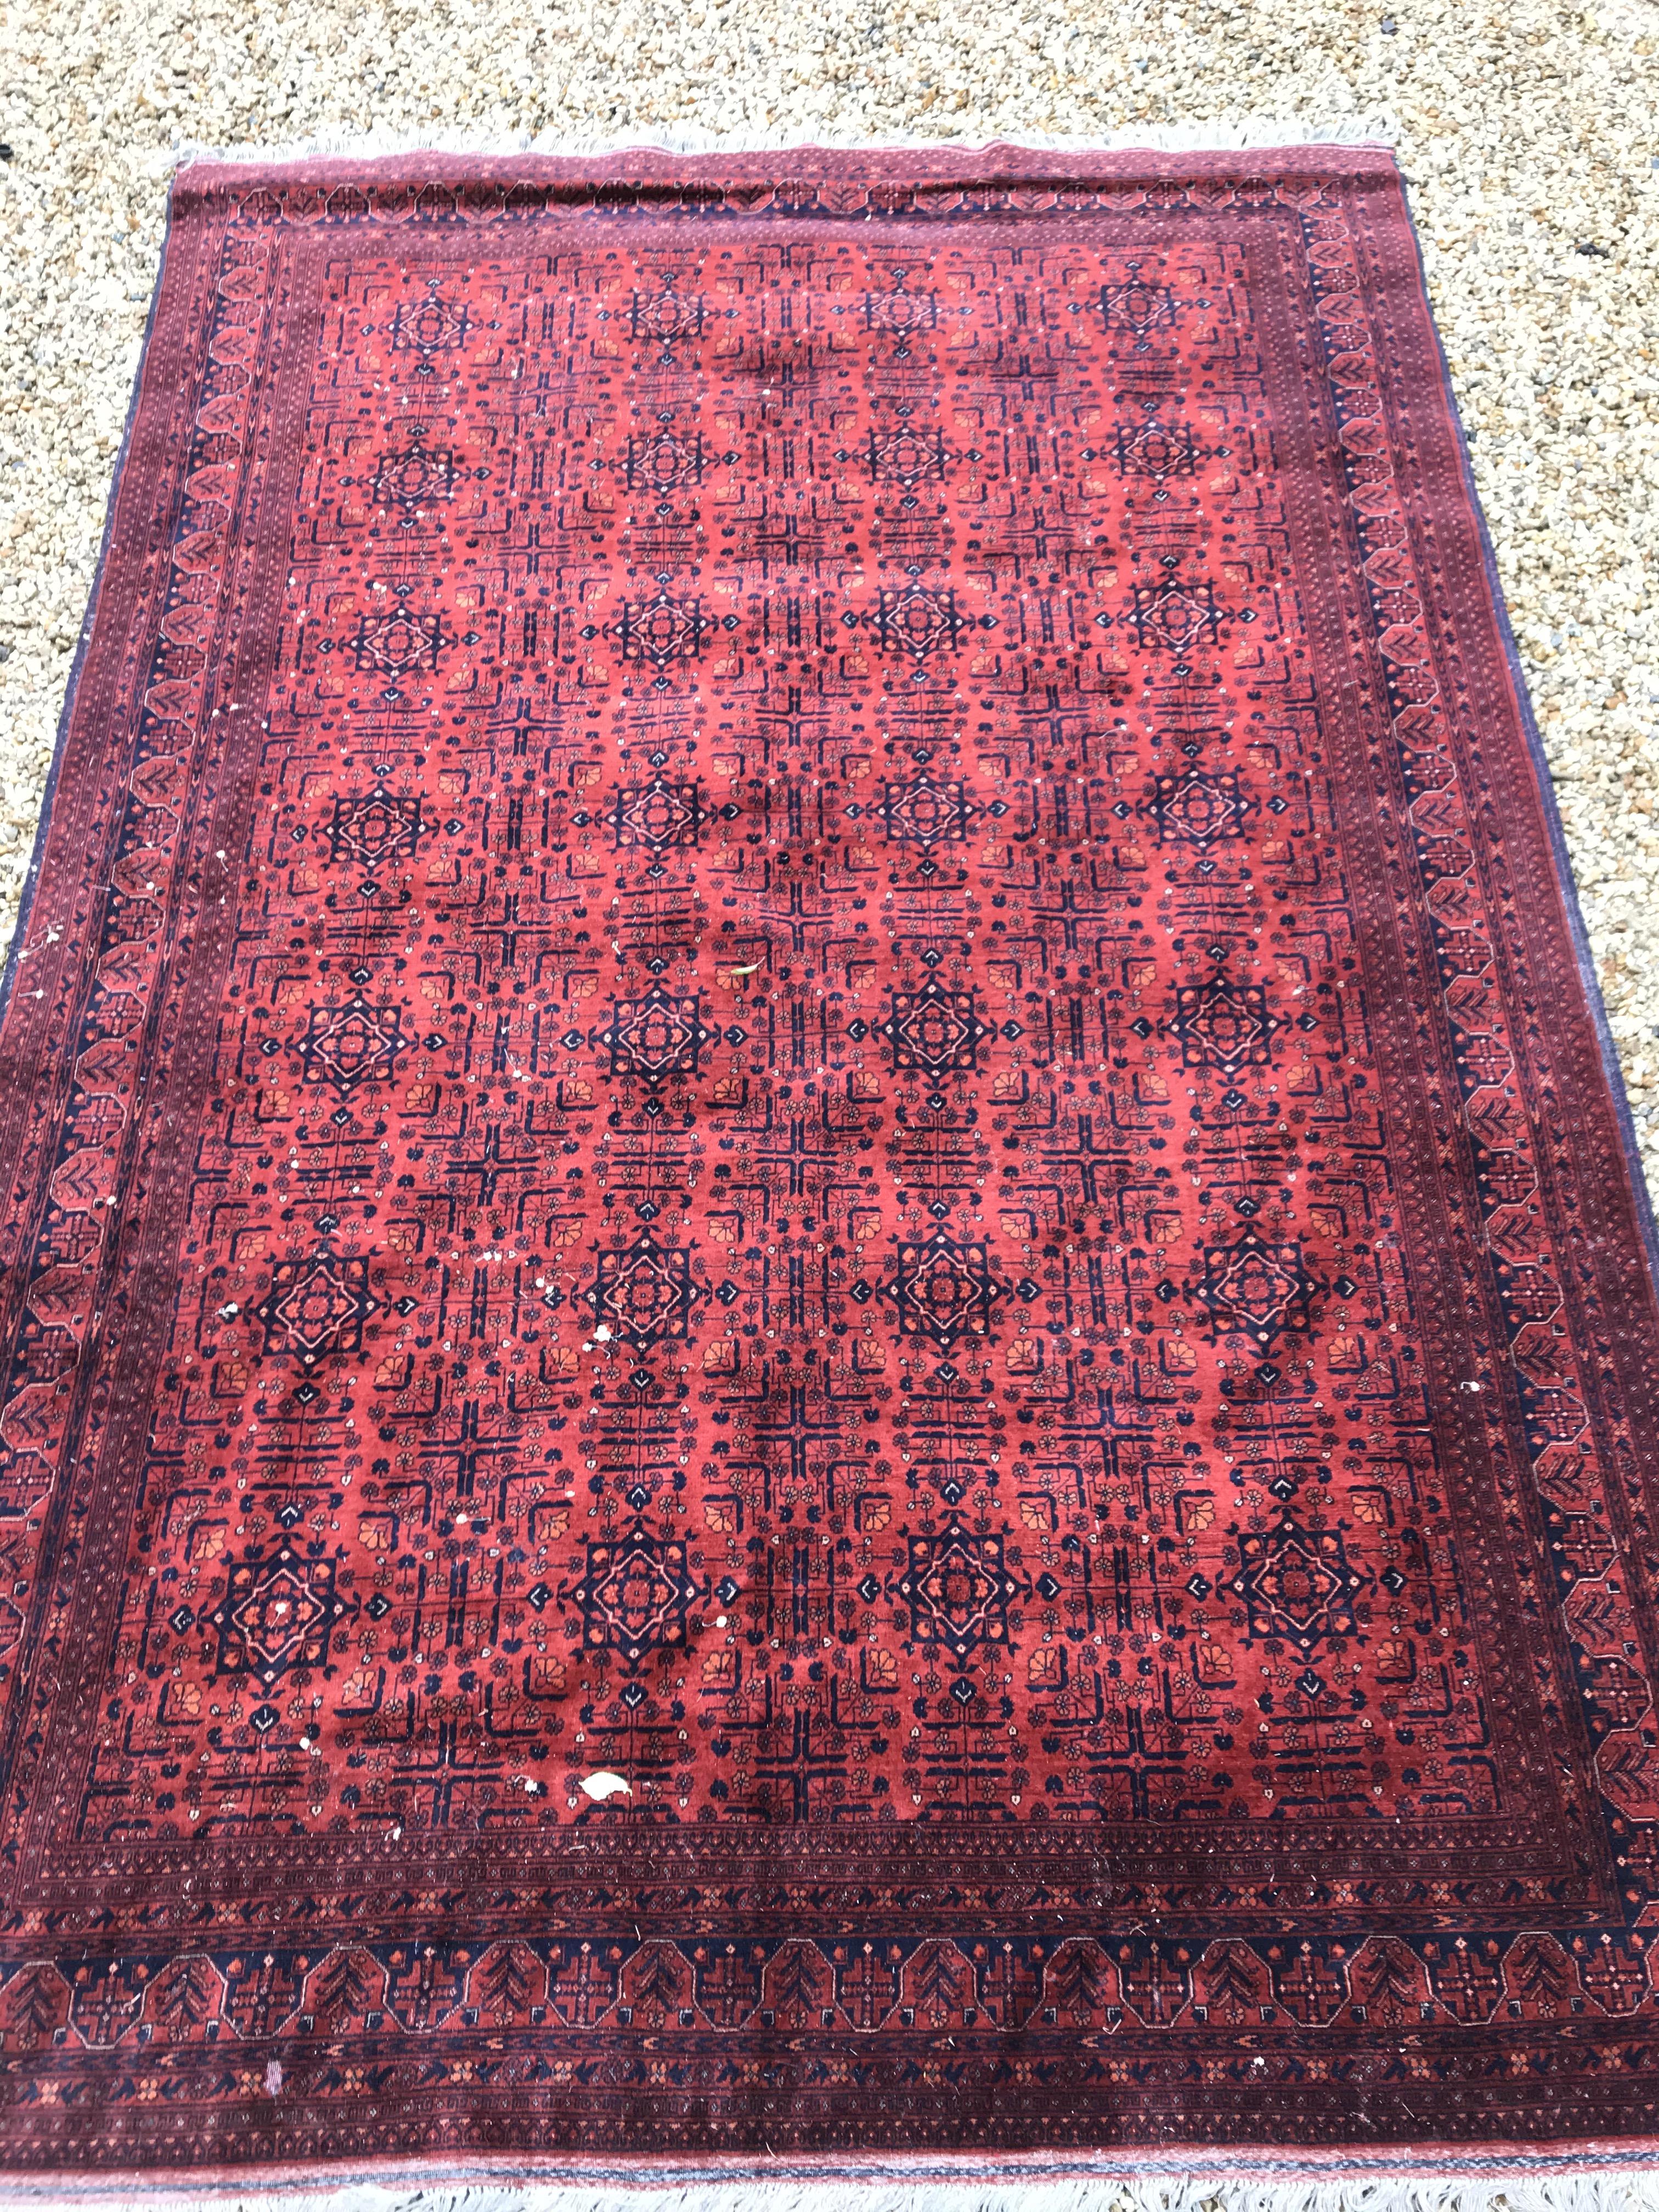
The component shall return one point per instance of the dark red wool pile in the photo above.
(824, 1331)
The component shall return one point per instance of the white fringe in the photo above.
(1621, 2189)
(1330, 123)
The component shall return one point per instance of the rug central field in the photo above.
(824, 1327)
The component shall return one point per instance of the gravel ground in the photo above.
(1530, 135)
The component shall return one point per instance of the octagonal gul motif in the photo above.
(668, 316)
(317, 1306)
(431, 324)
(1197, 807)
(276, 1613)
(1224, 1024)
(1259, 1288)
(662, 461)
(919, 621)
(373, 827)
(634, 1594)
(663, 630)
(934, 1031)
(350, 1045)
(401, 640)
(1174, 616)
(958, 1591)
(659, 816)
(1139, 305)
(655, 1037)
(900, 309)
(944, 1289)
(908, 454)
(645, 1293)
(415, 477)
(926, 811)
(1297, 1583)
(1155, 449)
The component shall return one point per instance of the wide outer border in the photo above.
(199, 193)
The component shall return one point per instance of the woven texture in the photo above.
(826, 1327)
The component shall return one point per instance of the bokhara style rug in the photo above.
(826, 1335)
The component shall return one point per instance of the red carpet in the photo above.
(800, 1024)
